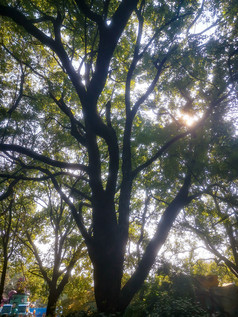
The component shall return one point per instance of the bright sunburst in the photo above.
(187, 119)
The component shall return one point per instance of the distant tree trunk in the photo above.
(56, 289)
(5, 241)
(3, 275)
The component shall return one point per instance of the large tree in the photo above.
(99, 97)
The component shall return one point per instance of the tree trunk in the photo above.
(108, 271)
(52, 300)
(3, 276)
(107, 254)
(51, 305)
(5, 241)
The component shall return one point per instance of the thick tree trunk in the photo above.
(106, 254)
(107, 283)
(52, 301)
(52, 298)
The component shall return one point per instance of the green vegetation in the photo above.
(118, 126)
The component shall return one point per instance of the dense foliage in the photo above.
(116, 118)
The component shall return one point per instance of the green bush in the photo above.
(166, 306)
(165, 296)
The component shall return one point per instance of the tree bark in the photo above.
(3, 276)
(107, 255)
(5, 241)
(52, 301)
(108, 270)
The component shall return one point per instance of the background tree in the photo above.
(103, 98)
(5, 235)
(216, 225)
(51, 237)
(78, 295)
(9, 243)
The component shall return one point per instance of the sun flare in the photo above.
(187, 119)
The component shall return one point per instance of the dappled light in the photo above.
(118, 154)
